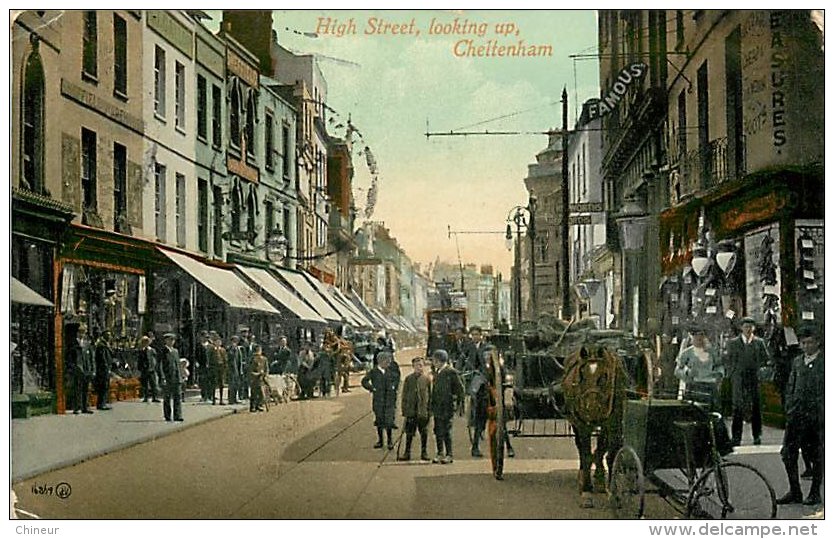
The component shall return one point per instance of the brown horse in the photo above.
(594, 387)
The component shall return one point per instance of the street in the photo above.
(312, 459)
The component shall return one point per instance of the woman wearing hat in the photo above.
(699, 368)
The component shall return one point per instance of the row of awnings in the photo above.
(299, 293)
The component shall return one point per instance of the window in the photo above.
(180, 208)
(234, 117)
(250, 125)
(269, 221)
(119, 188)
(679, 37)
(32, 126)
(218, 221)
(159, 82)
(159, 201)
(236, 208)
(202, 215)
(202, 108)
(682, 124)
(269, 158)
(89, 65)
(285, 150)
(250, 215)
(88, 169)
(217, 116)
(119, 56)
(703, 114)
(179, 84)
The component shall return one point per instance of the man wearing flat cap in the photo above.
(805, 417)
(171, 380)
(746, 354)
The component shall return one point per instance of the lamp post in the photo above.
(524, 217)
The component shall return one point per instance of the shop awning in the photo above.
(386, 322)
(358, 314)
(223, 283)
(344, 313)
(20, 293)
(365, 310)
(282, 294)
(312, 296)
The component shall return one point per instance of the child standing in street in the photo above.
(446, 398)
(416, 408)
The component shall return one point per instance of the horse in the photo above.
(594, 388)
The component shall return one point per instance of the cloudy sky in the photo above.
(392, 85)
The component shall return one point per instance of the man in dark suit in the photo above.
(104, 360)
(83, 369)
(805, 418)
(446, 398)
(171, 380)
(474, 351)
(746, 353)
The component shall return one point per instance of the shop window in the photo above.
(89, 39)
(202, 108)
(32, 129)
(119, 56)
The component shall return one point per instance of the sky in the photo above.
(392, 86)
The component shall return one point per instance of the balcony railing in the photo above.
(707, 167)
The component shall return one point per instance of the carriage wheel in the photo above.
(497, 449)
(627, 491)
(733, 490)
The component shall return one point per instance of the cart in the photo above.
(678, 447)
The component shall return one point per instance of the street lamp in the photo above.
(524, 217)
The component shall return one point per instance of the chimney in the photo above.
(253, 30)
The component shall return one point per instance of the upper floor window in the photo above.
(250, 124)
(88, 169)
(89, 65)
(285, 150)
(119, 187)
(234, 117)
(159, 81)
(159, 201)
(216, 116)
(202, 215)
(119, 56)
(32, 117)
(269, 143)
(180, 209)
(679, 35)
(179, 86)
(202, 108)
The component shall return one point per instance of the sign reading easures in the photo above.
(612, 98)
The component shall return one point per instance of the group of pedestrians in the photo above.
(701, 368)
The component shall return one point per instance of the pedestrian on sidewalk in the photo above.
(82, 369)
(383, 381)
(257, 380)
(234, 364)
(203, 357)
(104, 360)
(699, 368)
(284, 358)
(217, 369)
(171, 380)
(746, 354)
(416, 408)
(805, 418)
(148, 370)
(446, 398)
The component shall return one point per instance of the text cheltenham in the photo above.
(471, 48)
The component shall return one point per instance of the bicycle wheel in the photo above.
(733, 490)
(627, 490)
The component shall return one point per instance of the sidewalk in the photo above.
(48, 442)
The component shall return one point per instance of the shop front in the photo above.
(752, 249)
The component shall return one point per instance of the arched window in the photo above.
(250, 214)
(250, 124)
(234, 116)
(237, 202)
(32, 128)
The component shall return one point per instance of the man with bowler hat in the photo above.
(746, 353)
(171, 380)
(83, 369)
(805, 418)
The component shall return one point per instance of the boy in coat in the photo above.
(446, 397)
(416, 408)
(383, 382)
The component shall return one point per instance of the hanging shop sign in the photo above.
(609, 101)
